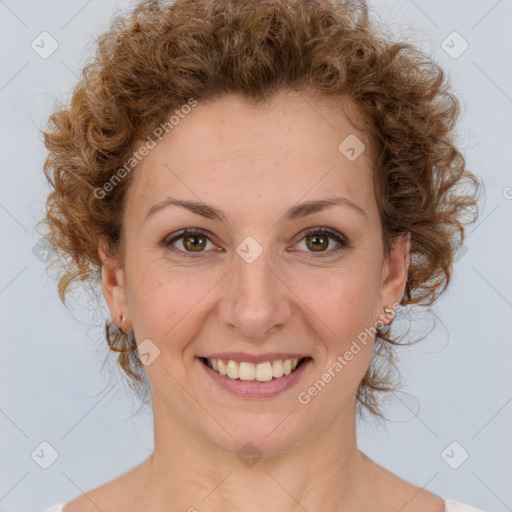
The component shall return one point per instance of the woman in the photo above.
(259, 186)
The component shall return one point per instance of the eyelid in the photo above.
(334, 234)
(170, 239)
(340, 238)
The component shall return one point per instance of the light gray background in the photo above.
(458, 381)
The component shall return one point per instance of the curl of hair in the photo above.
(155, 58)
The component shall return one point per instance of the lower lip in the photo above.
(255, 389)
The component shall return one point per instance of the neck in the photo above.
(188, 472)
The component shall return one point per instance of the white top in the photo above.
(449, 506)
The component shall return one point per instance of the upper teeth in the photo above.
(248, 371)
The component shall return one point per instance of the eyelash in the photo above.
(343, 243)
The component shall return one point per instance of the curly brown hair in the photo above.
(153, 59)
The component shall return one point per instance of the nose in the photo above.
(257, 301)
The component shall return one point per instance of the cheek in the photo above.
(344, 301)
(345, 315)
(165, 303)
(170, 305)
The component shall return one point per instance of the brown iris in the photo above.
(317, 246)
(192, 246)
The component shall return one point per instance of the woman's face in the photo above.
(263, 281)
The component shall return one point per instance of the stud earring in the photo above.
(123, 319)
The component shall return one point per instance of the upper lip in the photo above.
(254, 358)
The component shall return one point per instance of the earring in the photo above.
(388, 312)
(123, 318)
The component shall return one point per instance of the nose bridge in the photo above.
(256, 301)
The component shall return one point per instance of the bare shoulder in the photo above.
(121, 493)
(394, 493)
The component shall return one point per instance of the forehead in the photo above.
(227, 150)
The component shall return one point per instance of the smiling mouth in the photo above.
(261, 372)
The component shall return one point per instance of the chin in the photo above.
(260, 434)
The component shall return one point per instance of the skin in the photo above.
(254, 164)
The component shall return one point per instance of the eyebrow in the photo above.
(296, 212)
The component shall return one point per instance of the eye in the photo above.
(192, 240)
(317, 239)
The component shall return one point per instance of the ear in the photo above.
(394, 276)
(113, 284)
